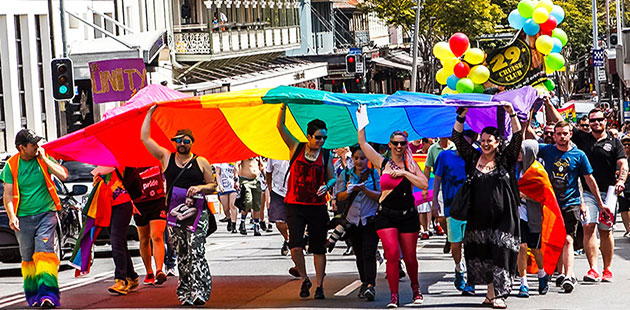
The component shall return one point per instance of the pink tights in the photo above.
(393, 241)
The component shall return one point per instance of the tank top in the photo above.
(401, 197)
(193, 176)
(305, 178)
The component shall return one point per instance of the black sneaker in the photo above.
(229, 225)
(362, 289)
(242, 229)
(257, 230)
(569, 284)
(46, 303)
(225, 220)
(284, 251)
(401, 271)
(263, 226)
(305, 289)
(559, 280)
(233, 227)
(447, 248)
(160, 277)
(370, 293)
(319, 293)
(198, 302)
(269, 227)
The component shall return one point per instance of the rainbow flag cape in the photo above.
(535, 184)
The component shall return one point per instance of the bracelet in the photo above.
(513, 115)
(461, 119)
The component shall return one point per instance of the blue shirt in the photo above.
(362, 206)
(564, 169)
(452, 170)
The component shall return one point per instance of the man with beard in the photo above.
(185, 170)
(564, 163)
(605, 153)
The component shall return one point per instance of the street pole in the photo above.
(595, 69)
(432, 76)
(414, 65)
(620, 42)
(62, 21)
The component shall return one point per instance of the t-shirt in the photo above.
(362, 206)
(226, 177)
(564, 168)
(451, 169)
(434, 151)
(34, 195)
(278, 169)
(602, 155)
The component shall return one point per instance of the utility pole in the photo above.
(595, 46)
(62, 21)
(432, 76)
(620, 42)
(414, 65)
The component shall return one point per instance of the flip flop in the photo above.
(487, 302)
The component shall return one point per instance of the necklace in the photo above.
(393, 165)
(183, 163)
(309, 156)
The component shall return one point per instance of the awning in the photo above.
(247, 73)
(145, 45)
(388, 63)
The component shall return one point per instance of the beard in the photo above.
(183, 150)
(597, 131)
(549, 140)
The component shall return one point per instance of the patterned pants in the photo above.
(195, 280)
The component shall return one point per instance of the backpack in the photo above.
(300, 148)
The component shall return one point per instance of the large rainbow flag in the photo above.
(238, 125)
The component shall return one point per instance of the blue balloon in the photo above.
(557, 12)
(516, 20)
(557, 45)
(530, 27)
(451, 82)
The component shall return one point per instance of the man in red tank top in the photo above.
(310, 176)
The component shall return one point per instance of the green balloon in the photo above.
(465, 85)
(554, 61)
(526, 8)
(561, 35)
(550, 85)
(478, 89)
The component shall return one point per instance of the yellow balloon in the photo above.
(441, 76)
(540, 15)
(479, 74)
(441, 50)
(546, 4)
(449, 64)
(544, 44)
(448, 91)
(474, 56)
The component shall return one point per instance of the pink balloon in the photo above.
(461, 69)
(549, 25)
(459, 44)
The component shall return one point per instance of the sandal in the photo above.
(499, 303)
(487, 302)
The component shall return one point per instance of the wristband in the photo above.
(513, 115)
(461, 119)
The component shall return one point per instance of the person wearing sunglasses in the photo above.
(185, 170)
(583, 124)
(309, 178)
(491, 240)
(397, 223)
(606, 154)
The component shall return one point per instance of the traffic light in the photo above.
(63, 82)
(351, 63)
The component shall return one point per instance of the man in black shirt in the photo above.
(606, 154)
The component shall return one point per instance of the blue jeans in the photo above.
(37, 234)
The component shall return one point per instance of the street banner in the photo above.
(516, 65)
(117, 79)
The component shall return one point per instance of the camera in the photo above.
(337, 233)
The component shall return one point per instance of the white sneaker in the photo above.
(170, 272)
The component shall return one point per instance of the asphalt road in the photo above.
(248, 272)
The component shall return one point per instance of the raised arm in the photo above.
(465, 149)
(513, 149)
(553, 116)
(159, 152)
(288, 138)
(372, 155)
(58, 170)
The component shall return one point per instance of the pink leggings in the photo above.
(392, 242)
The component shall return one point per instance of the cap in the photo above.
(26, 136)
(184, 132)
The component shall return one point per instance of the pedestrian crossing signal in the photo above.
(63, 82)
(351, 63)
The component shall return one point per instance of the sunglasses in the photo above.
(181, 140)
(398, 143)
(584, 125)
(626, 144)
(548, 133)
(593, 120)
(320, 137)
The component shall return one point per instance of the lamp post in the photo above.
(432, 76)
(414, 65)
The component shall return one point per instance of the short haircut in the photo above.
(354, 148)
(425, 140)
(399, 133)
(584, 118)
(561, 124)
(595, 110)
(315, 125)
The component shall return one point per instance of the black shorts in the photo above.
(624, 204)
(316, 217)
(150, 211)
(409, 223)
(571, 216)
(533, 240)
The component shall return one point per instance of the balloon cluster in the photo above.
(462, 67)
(542, 18)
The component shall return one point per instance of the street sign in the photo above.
(601, 74)
(626, 110)
(360, 67)
(354, 51)
(598, 58)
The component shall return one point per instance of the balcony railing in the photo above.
(231, 39)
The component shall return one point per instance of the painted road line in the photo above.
(348, 289)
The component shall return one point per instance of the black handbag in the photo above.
(461, 202)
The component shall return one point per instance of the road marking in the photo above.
(220, 246)
(19, 297)
(349, 288)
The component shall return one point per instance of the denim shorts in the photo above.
(456, 229)
(592, 211)
(37, 234)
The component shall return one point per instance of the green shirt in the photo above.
(434, 151)
(34, 196)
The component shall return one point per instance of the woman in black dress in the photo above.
(491, 241)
